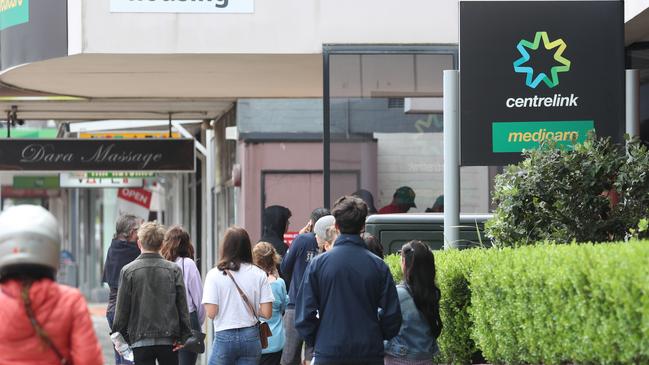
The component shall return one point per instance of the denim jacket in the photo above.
(151, 301)
(415, 340)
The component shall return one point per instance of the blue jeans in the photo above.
(240, 346)
(119, 360)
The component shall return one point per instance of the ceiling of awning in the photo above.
(127, 86)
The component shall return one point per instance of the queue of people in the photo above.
(330, 299)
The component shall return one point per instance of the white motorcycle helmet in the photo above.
(29, 237)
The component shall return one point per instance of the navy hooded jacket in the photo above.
(347, 303)
(303, 249)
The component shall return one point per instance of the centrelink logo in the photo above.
(533, 79)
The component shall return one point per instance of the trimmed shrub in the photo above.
(596, 191)
(453, 269)
(550, 304)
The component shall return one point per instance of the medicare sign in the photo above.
(182, 6)
(532, 71)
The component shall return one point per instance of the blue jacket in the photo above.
(302, 250)
(276, 324)
(415, 340)
(347, 304)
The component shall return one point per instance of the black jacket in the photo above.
(151, 300)
(119, 254)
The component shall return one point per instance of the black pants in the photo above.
(272, 358)
(149, 354)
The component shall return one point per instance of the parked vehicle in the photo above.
(393, 230)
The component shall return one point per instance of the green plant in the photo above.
(453, 269)
(571, 194)
(557, 304)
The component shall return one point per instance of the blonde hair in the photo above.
(265, 256)
(151, 235)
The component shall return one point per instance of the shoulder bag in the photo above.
(40, 332)
(195, 342)
(264, 329)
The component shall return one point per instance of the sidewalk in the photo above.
(98, 314)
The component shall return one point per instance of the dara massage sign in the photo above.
(538, 70)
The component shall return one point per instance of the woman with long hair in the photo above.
(178, 248)
(416, 343)
(265, 256)
(235, 295)
(42, 322)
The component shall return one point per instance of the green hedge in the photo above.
(547, 304)
(453, 269)
(585, 304)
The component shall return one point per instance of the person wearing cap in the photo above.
(402, 200)
(438, 206)
(302, 250)
(43, 322)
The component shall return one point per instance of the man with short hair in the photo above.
(123, 250)
(151, 311)
(348, 304)
(302, 250)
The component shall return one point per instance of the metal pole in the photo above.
(326, 132)
(451, 159)
(633, 102)
(209, 243)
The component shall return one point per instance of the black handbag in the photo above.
(195, 342)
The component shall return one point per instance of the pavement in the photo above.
(98, 314)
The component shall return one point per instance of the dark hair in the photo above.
(318, 213)
(350, 213)
(235, 249)
(176, 244)
(373, 244)
(419, 275)
(27, 272)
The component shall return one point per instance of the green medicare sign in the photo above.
(13, 12)
(516, 136)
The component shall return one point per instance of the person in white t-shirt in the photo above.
(236, 332)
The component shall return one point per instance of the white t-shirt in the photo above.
(233, 311)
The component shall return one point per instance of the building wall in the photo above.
(270, 29)
(417, 160)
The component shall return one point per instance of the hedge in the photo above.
(546, 304)
(453, 269)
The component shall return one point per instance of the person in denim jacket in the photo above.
(421, 325)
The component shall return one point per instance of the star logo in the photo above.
(532, 81)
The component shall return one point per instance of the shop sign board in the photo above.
(118, 174)
(169, 155)
(538, 70)
(79, 180)
(13, 12)
(36, 182)
(182, 6)
(32, 30)
(134, 201)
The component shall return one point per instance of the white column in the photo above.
(451, 158)
(633, 102)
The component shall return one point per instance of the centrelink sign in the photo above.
(532, 71)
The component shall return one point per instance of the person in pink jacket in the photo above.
(42, 322)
